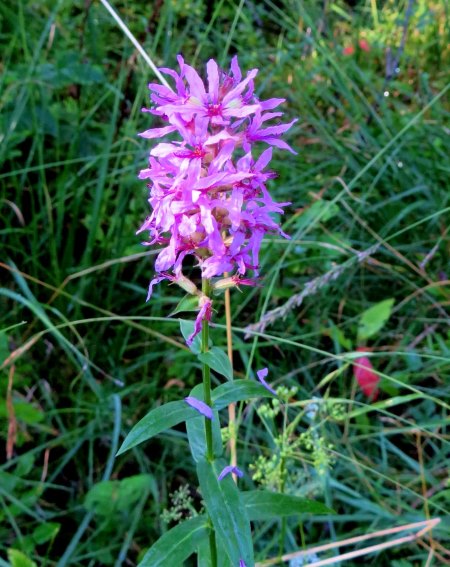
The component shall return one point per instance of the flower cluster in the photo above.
(208, 190)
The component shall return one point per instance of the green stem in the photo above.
(208, 425)
(212, 547)
(207, 379)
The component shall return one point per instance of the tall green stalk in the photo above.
(207, 379)
(208, 425)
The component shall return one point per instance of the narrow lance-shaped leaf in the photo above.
(238, 391)
(218, 361)
(264, 505)
(196, 431)
(176, 545)
(227, 512)
(187, 303)
(157, 420)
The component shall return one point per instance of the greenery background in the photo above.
(90, 357)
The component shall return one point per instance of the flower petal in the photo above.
(213, 79)
(204, 313)
(230, 469)
(200, 406)
(261, 375)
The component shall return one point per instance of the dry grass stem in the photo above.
(426, 526)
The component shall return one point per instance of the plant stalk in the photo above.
(207, 379)
(208, 425)
(232, 425)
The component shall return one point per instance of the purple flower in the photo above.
(205, 313)
(200, 406)
(230, 469)
(261, 375)
(241, 563)
(207, 184)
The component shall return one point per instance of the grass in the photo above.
(90, 357)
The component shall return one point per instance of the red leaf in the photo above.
(365, 376)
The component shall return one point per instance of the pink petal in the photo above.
(213, 80)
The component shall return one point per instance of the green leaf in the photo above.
(238, 391)
(187, 303)
(197, 437)
(45, 532)
(218, 361)
(110, 497)
(187, 328)
(196, 431)
(374, 318)
(338, 336)
(227, 512)
(176, 545)
(19, 559)
(156, 421)
(4, 347)
(264, 505)
(24, 411)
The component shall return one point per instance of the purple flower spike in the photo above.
(241, 563)
(261, 375)
(200, 406)
(207, 183)
(230, 469)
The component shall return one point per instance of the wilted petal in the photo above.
(205, 313)
(200, 406)
(261, 375)
(230, 469)
(154, 281)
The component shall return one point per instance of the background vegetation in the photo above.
(84, 357)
